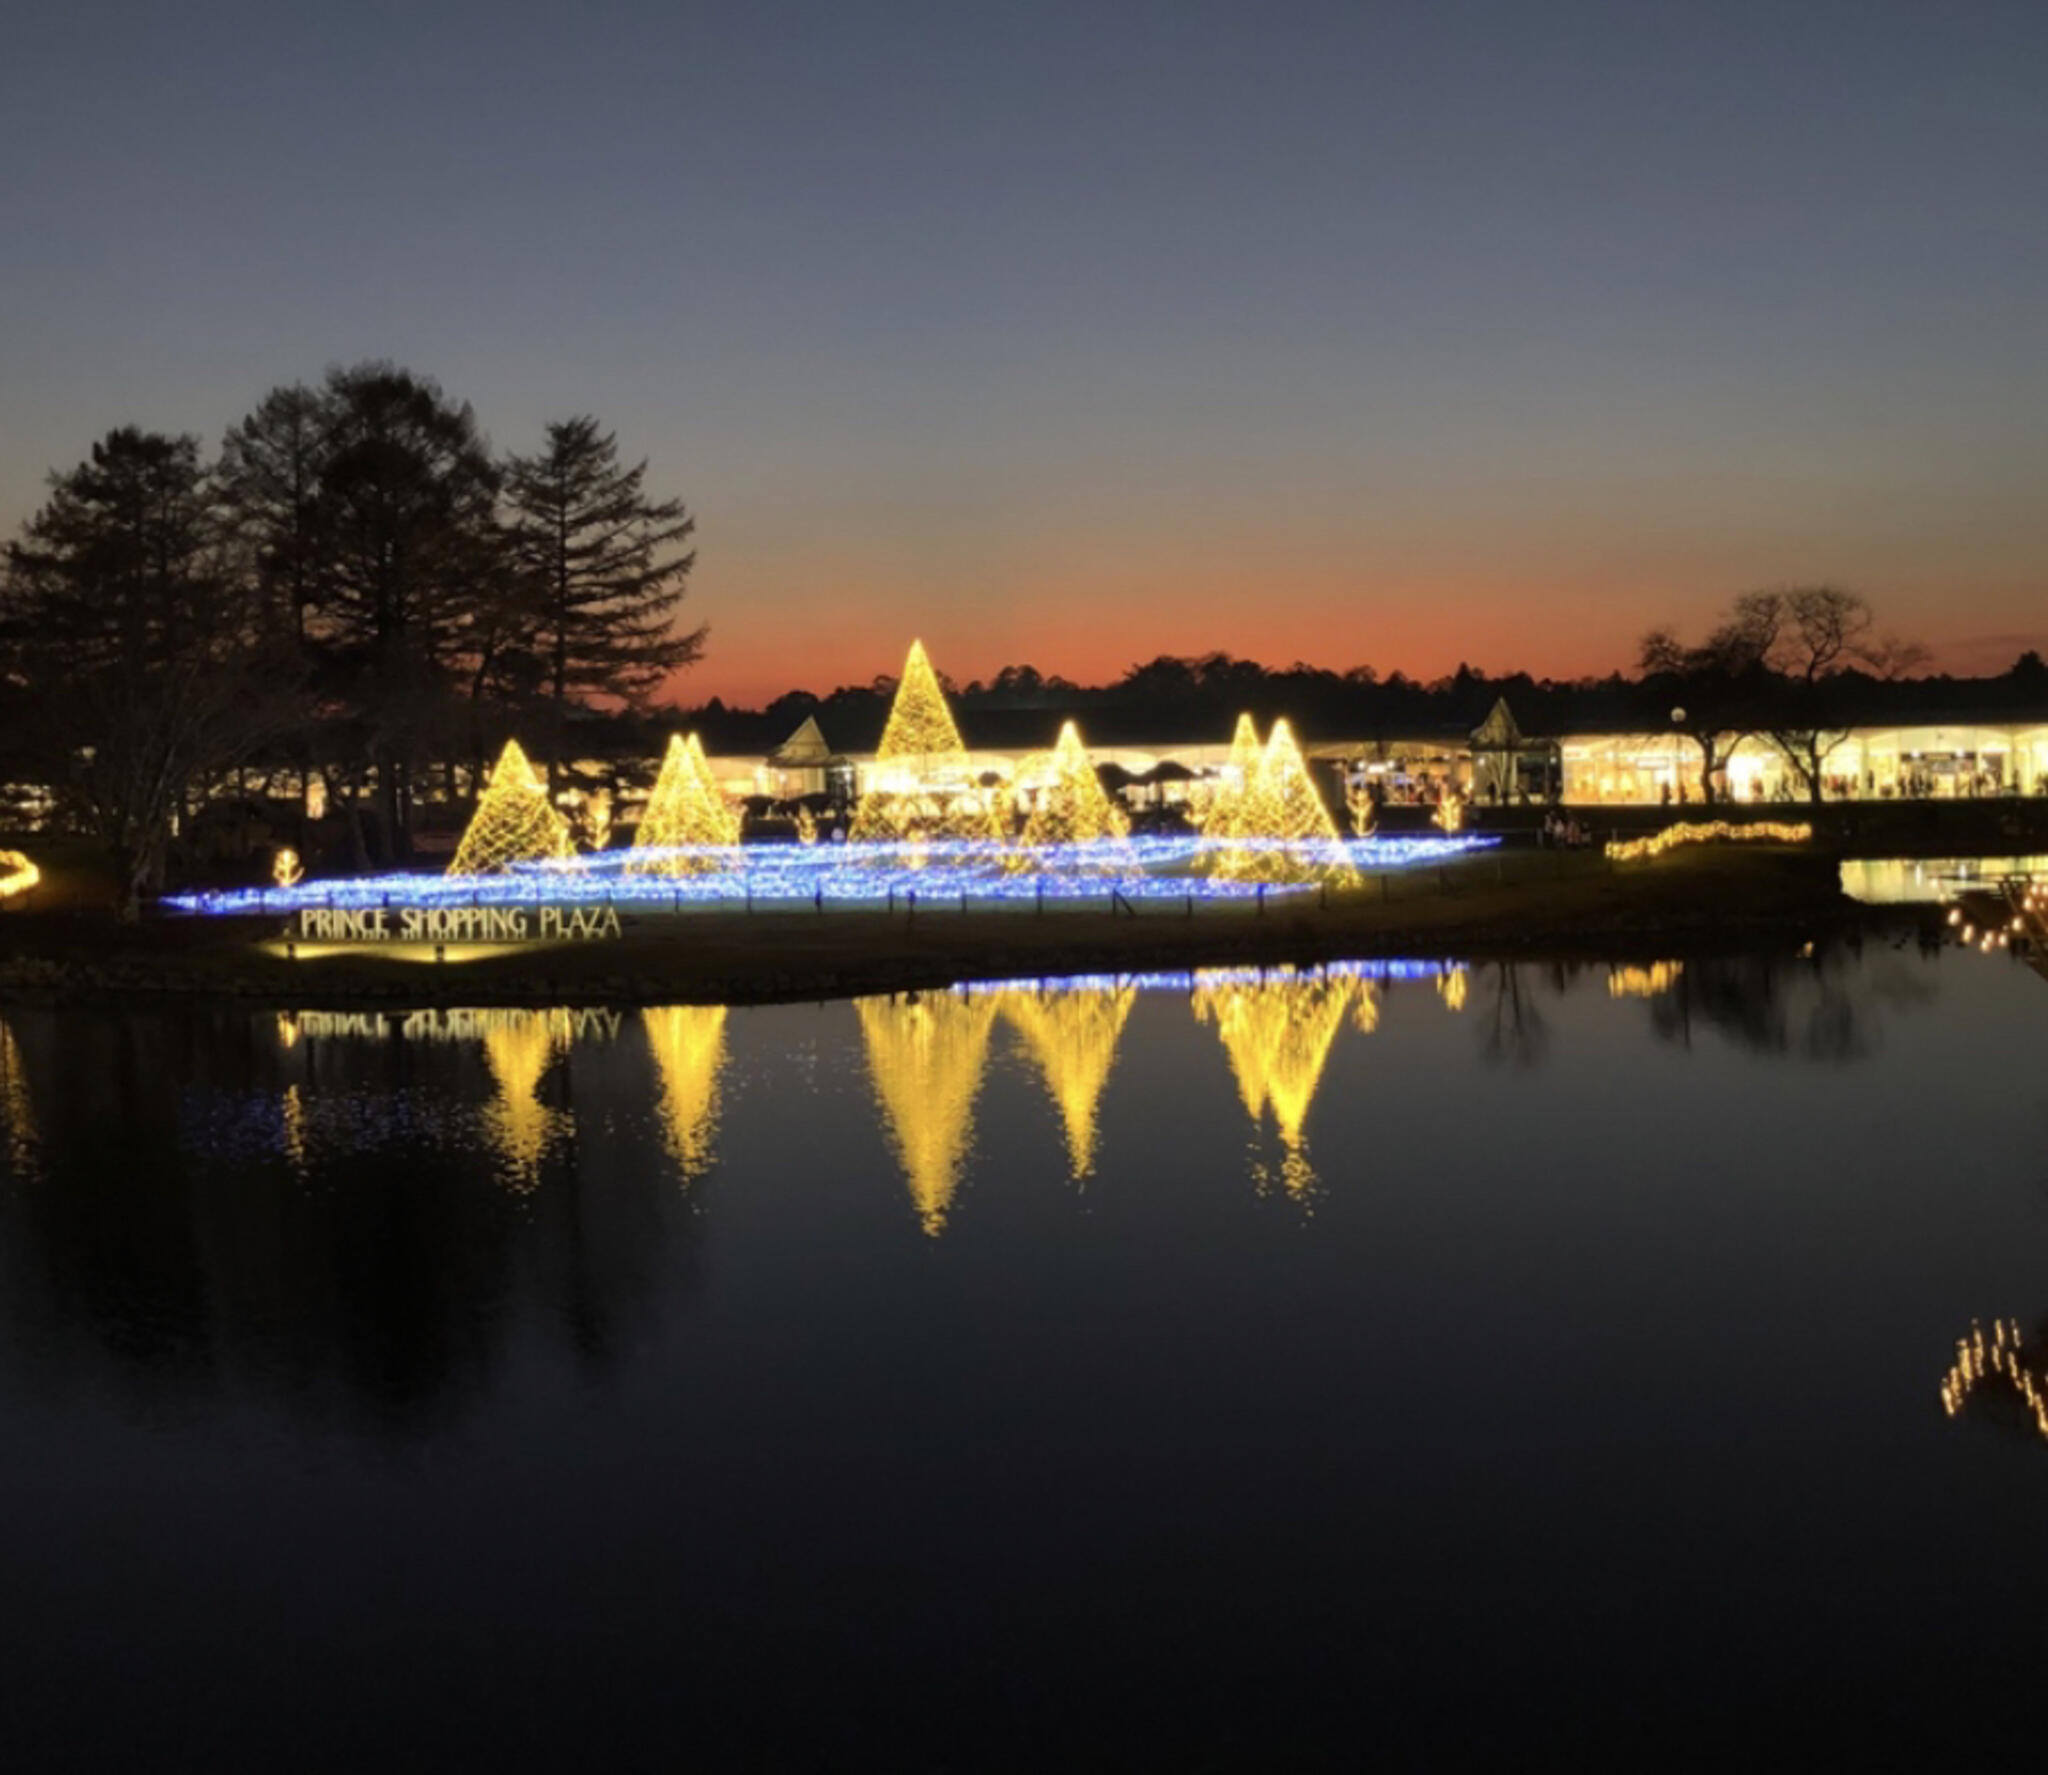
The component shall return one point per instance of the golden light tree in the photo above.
(1073, 807)
(1278, 1032)
(685, 807)
(922, 784)
(688, 1044)
(514, 821)
(1273, 826)
(1072, 1035)
(519, 1046)
(1285, 806)
(1223, 819)
(2003, 1362)
(925, 1056)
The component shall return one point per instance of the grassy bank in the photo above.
(1524, 903)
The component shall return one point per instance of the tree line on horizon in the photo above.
(1795, 665)
(356, 586)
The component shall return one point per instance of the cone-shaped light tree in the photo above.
(1287, 807)
(685, 808)
(923, 785)
(1268, 822)
(1074, 808)
(1224, 817)
(514, 821)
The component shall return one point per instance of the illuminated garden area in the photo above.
(925, 828)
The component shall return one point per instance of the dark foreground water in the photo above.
(1206, 1373)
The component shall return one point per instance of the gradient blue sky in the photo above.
(1075, 334)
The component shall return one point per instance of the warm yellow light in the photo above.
(286, 869)
(1450, 813)
(684, 808)
(1073, 1037)
(922, 785)
(925, 1056)
(1454, 988)
(2001, 1356)
(1276, 803)
(1633, 850)
(518, 1046)
(688, 1044)
(1073, 807)
(806, 826)
(1277, 1031)
(17, 874)
(514, 821)
(1626, 981)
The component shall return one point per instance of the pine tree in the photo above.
(605, 565)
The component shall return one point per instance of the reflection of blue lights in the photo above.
(1381, 972)
(1150, 868)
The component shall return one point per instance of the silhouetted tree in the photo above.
(606, 567)
(412, 574)
(147, 665)
(1713, 687)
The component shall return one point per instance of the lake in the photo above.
(1405, 1362)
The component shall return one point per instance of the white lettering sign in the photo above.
(456, 924)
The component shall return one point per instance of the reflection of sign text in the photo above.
(456, 924)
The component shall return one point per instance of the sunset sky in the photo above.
(1080, 333)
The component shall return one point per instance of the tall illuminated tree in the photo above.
(1073, 807)
(1278, 1031)
(1224, 817)
(514, 821)
(1288, 808)
(922, 785)
(685, 808)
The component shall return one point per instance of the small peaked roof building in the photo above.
(805, 747)
(1499, 732)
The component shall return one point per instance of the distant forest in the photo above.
(1184, 700)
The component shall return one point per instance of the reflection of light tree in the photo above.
(16, 1106)
(688, 1044)
(1277, 1031)
(519, 1045)
(1072, 1035)
(2002, 1365)
(925, 1056)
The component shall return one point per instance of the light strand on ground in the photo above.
(1635, 850)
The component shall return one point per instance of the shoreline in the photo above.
(1543, 905)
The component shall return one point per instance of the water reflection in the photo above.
(206, 1208)
(926, 1052)
(1072, 1038)
(2003, 1371)
(688, 1045)
(1278, 1030)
